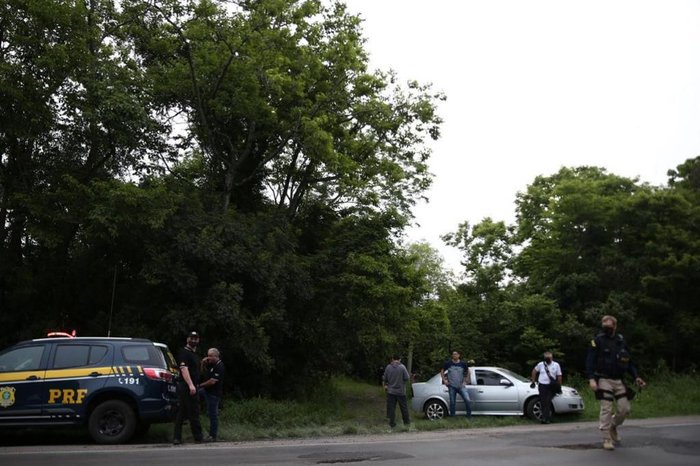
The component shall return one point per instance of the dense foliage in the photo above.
(236, 168)
(586, 243)
(232, 167)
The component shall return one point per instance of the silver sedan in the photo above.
(493, 391)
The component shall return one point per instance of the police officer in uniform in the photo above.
(607, 362)
(188, 363)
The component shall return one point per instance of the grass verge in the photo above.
(351, 407)
(348, 407)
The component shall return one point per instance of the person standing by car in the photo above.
(455, 374)
(188, 364)
(213, 388)
(394, 379)
(549, 377)
(607, 362)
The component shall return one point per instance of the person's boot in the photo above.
(614, 436)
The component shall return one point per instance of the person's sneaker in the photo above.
(177, 441)
(608, 444)
(209, 439)
(614, 435)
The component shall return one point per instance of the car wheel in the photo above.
(435, 410)
(112, 422)
(533, 409)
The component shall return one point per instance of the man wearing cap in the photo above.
(188, 363)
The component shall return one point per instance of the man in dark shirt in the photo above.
(188, 363)
(607, 362)
(213, 387)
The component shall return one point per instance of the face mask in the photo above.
(608, 331)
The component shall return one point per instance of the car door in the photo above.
(76, 370)
(494, 393)
(21, 381)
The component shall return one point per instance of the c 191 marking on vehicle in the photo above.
(7, 396)
(128, 380)
(67, 396)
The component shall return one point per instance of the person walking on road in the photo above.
(607, 362)
(394, 380)
(548, 375)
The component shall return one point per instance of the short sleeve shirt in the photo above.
(187, 357)
(217, 372)
(554, 371)
(456, 371)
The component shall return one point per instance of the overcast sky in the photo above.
(536, 85)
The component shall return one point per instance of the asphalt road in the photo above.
(665, 441)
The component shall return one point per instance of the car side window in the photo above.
(488, 378)
(27, 358)
(97, 354)
(142, 354)
(71, 356)
(78, 355)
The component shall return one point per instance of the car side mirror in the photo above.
(506, 382)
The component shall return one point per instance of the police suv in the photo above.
(116, 387)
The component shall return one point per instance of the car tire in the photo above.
(533, 409)
(435, 410)
(112, 422)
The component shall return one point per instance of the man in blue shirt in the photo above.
(455, 374)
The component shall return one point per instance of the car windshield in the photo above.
(514, 375)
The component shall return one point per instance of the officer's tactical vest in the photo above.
(613, 356)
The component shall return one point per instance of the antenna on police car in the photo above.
(111, 306)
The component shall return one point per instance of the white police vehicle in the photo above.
(116, 387)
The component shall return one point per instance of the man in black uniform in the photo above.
(188, 363)
(607, 362)
(213, 387)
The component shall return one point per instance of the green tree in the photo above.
(277, 95)
(599, 244)
(75, 109)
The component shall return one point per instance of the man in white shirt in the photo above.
(547, 373)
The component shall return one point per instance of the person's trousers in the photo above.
(614, 405)
(546, 395)
(453, 399)
(391, 401)
(188, 409)
(213, 413)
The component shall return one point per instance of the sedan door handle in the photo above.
(32, 377)
(94, 374)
